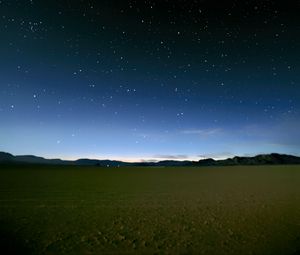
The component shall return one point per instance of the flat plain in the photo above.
(205, 210)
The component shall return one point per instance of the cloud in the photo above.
(202, 132)
(174, 157)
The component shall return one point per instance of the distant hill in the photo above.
(265, 159)
(7, 158)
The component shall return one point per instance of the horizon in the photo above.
(147, 160)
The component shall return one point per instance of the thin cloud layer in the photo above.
(173, 157)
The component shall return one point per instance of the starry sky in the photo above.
(149, 80)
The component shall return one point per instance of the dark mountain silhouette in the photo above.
(265, 159)
(207, 162)
(38, 160)
(4, 156)
(96, 162)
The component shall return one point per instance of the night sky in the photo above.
(142, 80)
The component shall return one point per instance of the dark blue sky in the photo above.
(148, 80)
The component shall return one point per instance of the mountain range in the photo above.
(263, 159)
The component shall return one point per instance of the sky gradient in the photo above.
(135, 80)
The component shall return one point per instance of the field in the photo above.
(208, 210)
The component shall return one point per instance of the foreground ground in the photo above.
(90, 210)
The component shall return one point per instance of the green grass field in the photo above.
(90, 210)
